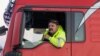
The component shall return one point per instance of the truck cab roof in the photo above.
(60, 3)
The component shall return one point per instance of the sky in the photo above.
(3, 5)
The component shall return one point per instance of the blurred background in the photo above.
(3, 5)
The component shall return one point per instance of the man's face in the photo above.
(52, 27)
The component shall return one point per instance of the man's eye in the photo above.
(52, 26)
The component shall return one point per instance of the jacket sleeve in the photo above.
(58, 42)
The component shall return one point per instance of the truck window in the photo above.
(73, 21)
(79, 35)
(36, 22)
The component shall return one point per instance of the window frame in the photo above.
(66, 25)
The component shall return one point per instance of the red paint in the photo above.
(57, 2)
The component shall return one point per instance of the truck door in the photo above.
(32, 27)
(13, 36)
(86, 41)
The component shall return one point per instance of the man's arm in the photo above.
(58, 42)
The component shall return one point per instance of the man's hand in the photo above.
(46, 36)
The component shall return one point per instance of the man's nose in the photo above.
(51, 27)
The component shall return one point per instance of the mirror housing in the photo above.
(0, 50)
(3, 30)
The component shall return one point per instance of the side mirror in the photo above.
(3, 30)
(0, 48)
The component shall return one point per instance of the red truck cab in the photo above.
(79, 18)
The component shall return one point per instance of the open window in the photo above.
(36, 22)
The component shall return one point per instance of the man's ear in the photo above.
(3, 30)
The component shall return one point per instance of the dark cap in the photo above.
(54, 21)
